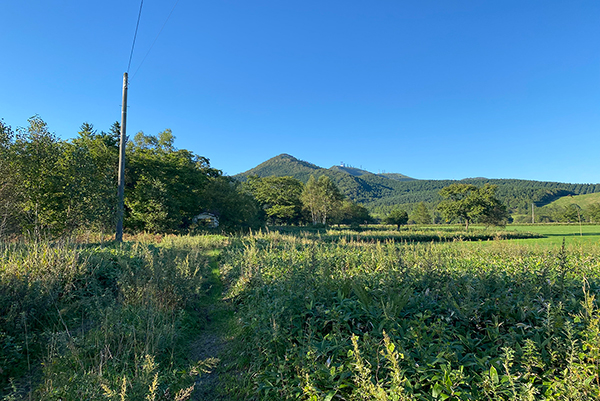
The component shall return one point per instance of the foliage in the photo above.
(321, 198)
(39, 174)
(99, 323)
(397, 217)
(163, 184)
(352, 214)
(421, 214)
(469, 203)
(235, 207)
(10, 195)
(279, 197)
(51, 188)
(593, 211)
(357, 320)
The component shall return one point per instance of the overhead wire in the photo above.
(137, 25)
(155, 39)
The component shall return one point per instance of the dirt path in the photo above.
(214, 343)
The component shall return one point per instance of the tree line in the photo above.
(572, 213)
(52, 187)
(286, 200)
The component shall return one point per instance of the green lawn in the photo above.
(554, 233)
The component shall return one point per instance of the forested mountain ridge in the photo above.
(380, 192)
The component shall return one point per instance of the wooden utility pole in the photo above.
(122, 142)
(533, 213)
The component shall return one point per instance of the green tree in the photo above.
(397, 217)
(351, 213)
(469, 203)
(421, 214)
(164, 185)
(89, 164)
(9, 189)
(279, 197)
(321, 198)
(593, 212)
(571, 213)
(40, 178)
(235, 207)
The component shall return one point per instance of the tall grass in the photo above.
(354, 320)
(101, 322)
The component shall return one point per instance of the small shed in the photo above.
(206, 219)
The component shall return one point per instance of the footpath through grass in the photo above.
(108, 321)
(275, 316)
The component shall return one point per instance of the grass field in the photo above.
(318, 315)
(582, 200)
(554, 233)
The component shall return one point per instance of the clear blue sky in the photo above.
(431, 89)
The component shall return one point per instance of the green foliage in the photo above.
(90, 164)
(10, 195)
(279, 197)
(468, 203)
(51, 188)
(99, 323)
(397, 217)
(381, 321)
(421, 214)
(235, 207)
(163, 184)
(321, 198)
(37, 166)
(351, 213)
(571, 214)
(593, 212)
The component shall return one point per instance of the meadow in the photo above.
(554, 233)
(311, 315)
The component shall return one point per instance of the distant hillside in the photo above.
(397, 176)
(358, 172)
(381, 192)
(582, 200)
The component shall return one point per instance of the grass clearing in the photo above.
(315, 315)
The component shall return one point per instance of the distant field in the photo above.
(581, 200)
(554, 233)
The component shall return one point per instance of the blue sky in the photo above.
(431, 89)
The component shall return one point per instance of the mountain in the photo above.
(283, 165)
(382, 192)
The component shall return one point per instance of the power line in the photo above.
(155, 39)
(135, 35)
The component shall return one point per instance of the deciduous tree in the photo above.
(397, 217)
(469, 203)
(279, 197)
(351, 213)
(321, 198)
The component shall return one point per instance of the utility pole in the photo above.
(122, 142)
(533, 213)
